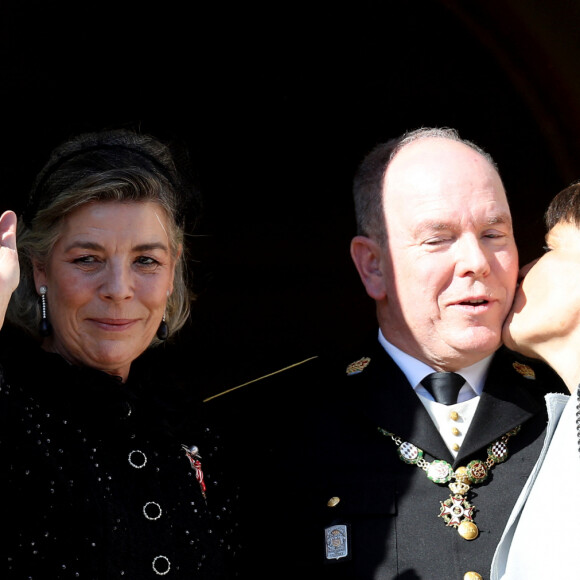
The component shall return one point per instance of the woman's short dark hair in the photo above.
(565, 207)
(112, 165)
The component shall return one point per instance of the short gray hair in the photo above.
(368, 179)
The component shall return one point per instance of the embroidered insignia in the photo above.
(336, 542)
(357, 366)
(524, 370)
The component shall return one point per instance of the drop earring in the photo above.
(163, 330)
(44, 326)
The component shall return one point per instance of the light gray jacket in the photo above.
(542, 535)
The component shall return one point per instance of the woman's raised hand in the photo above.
(9, 268)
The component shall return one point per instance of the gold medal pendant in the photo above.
(458, 513)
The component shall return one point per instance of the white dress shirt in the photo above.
(452, 421)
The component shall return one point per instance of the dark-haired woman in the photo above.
(542, 536)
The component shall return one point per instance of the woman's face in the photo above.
(108, 279)
(547, 303)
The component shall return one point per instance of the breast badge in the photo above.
(336, 542)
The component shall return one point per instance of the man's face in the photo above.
(450, 263)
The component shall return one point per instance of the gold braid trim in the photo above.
(259, 378)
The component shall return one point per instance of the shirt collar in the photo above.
(416, 371)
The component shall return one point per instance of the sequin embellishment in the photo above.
(152, 513)
(155, 565)
(142, 463)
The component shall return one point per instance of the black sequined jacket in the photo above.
(94, 481)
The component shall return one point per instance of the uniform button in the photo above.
(456, 447)
(454, 415)
(472, 576)
(455, 431)
(333, 501)
(468, 531)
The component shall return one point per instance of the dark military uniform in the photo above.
(326, 494)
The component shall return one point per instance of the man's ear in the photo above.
(367, 257)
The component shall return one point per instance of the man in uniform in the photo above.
(406, 465)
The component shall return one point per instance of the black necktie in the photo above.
(444, 386)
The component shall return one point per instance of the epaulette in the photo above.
(260, 378)
(524, 370)
(358, 366)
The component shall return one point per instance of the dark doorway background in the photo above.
(277, 104)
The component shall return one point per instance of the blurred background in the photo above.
(277, 104)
